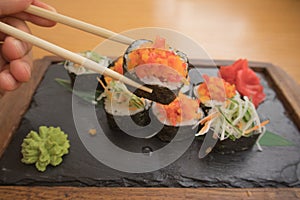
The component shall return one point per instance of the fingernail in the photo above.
(27, 69)
(10, 80)
(7, 80)
(19, 47)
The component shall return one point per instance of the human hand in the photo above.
(15, 55)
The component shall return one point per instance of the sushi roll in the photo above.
(214, 90)
(178, 117)
(77, 71)
(156, 66)
(233, 119)
(124, 110)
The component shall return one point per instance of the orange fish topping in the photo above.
(117, 67)
(215, 88)
(181, 109)
(157, 56)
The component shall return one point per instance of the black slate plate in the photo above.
(51, 105)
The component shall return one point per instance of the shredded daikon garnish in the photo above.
(237, 117)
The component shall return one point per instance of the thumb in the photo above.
(8, 7)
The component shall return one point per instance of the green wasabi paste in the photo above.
(44, 148)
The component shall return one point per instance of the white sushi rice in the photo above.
(121, 108)
(79, 70)
(155, 81)
(117, 99)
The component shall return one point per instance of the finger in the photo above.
(41, 21)
(8, 7)
(35, 19)
(16, 72)
(15, 22)
(21, 69)
(7, 81)
(12, 48)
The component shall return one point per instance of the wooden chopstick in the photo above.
(78, 24)
(66, 54)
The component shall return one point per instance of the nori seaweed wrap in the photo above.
(229, 146)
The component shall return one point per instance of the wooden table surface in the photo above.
(265, 31)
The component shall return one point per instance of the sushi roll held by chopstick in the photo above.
(158, 67)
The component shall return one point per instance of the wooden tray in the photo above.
(14, 105)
